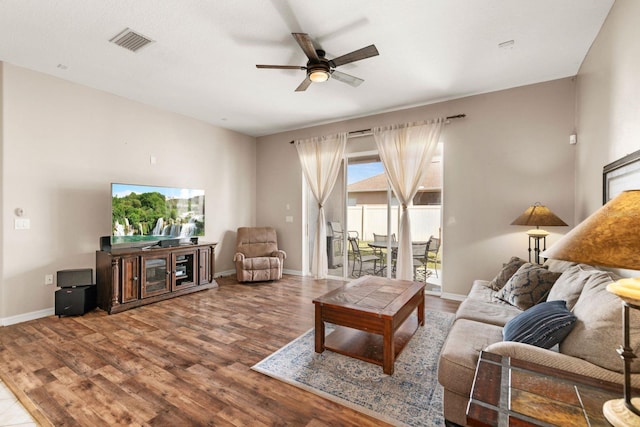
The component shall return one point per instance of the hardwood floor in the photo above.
(181, 362)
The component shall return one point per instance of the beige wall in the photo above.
(511, 151)
(63, 144)
(608, 103)
(2, 292)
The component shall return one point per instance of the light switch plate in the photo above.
(22, 224)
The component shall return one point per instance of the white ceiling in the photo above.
(202, 63)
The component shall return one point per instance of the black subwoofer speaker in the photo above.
(75, 301)
(78, 294)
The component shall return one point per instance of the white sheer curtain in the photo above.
(406, 151)
(320, 159)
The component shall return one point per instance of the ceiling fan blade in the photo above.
(346, 78)
(304, 85)
(282, 67)
(356, 55)
(306, 44)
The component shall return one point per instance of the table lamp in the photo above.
(538, 215)
(610, 237)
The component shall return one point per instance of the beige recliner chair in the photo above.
(257, 255)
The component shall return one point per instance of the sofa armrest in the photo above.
(238, 257)
(280, 254)
(556, 360)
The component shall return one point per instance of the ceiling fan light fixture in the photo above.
(319, 69)
(318, 76)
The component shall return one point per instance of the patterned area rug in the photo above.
(409, 397)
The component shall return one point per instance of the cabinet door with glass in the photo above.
(156, 275)
(184, 269)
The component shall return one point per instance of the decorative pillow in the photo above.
(557, 265)
(543, 325)
(598, 331)
(569, 285)
(505, 274)
(528, 286)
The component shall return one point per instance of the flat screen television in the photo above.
(145, 214)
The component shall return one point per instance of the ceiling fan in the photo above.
(319, 68)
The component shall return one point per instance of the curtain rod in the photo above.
(362, 132)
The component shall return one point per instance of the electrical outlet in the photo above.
(48, 279)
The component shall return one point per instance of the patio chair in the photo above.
(420, 258)
(382, 253)
(335, 236)
(433, 249)
(360, 258)
(383, 237)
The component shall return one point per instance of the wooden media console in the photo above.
(131, 277)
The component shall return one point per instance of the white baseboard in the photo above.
(455, 297)
(233, 273)
(25, 317)
(225, 273)
(293, 272)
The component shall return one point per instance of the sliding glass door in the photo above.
(372, 217)
(362, 220)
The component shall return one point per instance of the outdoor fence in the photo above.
(369, 219)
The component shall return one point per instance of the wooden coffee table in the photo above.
(372, 317)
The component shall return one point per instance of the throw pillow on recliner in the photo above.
(508, 269)
(528, 286)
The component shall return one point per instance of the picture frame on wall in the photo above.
(621, 175)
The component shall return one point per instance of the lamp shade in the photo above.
(610, 237)
(538, 215)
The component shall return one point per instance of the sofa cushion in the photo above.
(481, 306)
(543, 325)
(508, 270)
(558, 265)
(492, 312)
(528, 286)
(570, 284)
(460, 353)
(598, 331)
(481, 291)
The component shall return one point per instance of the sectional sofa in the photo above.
(580, 335)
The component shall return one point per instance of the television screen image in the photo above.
(143, 214)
